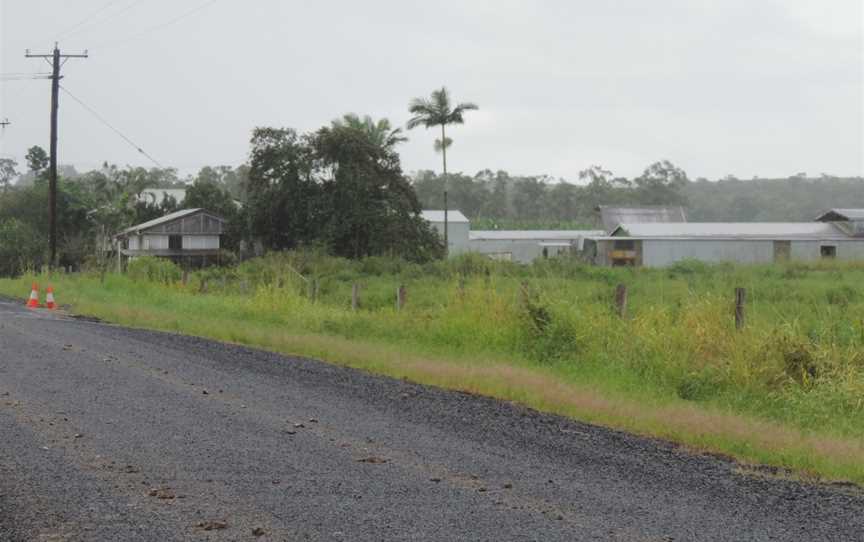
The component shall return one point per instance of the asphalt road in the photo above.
(108, 433)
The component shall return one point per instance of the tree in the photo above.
(528, 197)
(438, 110)
(661, 183)
(7, 172)
(37, 159)
(380, 133)
(371, 208)
(336, 188)
(232, 180)
(21, 246)
(281, 211)
(210, 195)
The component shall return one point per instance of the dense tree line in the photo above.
(497, 199)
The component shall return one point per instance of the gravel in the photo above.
(107, 434)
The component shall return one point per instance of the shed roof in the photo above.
(611, 217)
(833, 215)
(170, 217)
(531, 235)
(438, 216)
(755, 230)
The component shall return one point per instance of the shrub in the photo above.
(154, 269)
(842, 295)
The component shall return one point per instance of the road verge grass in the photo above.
(440, 342)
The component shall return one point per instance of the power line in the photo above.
(85, 20)
(77, 28)
(109, 125)
(25, 77)
(157, 27)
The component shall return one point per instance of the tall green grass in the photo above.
(798, 366)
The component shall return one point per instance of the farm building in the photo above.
(190, 236)
(660, 236)
(850, 221)
(511, 245)
(458, 227)
(610, 217)
(525, 246)
(662, 244)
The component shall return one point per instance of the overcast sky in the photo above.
(745, 87)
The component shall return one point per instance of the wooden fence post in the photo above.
(400, 297)
(461, 286)
(740, 300)
(203, 288)
(185, 276)
(524, 292)
(313, 290)
(355, 296)
(621, 300)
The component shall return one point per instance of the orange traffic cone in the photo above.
(49, 299)
(33, 302)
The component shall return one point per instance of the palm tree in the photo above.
(380, 133)
(438, 110)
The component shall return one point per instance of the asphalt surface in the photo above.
(108, 433)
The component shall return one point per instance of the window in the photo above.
(500, 256)
(175, 242)
(629, 244)
(828, 252)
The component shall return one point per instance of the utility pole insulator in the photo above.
(56, 58)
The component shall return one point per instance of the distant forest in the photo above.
(503, 201)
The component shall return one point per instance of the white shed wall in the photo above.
(154, 242)
(200, 242)
(852, 249)
(457, 235)
(520, 250)
(663, 252)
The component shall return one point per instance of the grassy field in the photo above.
(787, 391)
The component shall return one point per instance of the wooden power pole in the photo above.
(56, 58)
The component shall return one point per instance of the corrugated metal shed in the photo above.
(531, 235)
(611, 217)
(438, 216)
(733, 230)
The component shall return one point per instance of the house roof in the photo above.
(163, 219)
(611, 217)
(531, 235)
(438, 216)
(735, 230)
(842, 214)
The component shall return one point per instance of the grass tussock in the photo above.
(787, 391)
